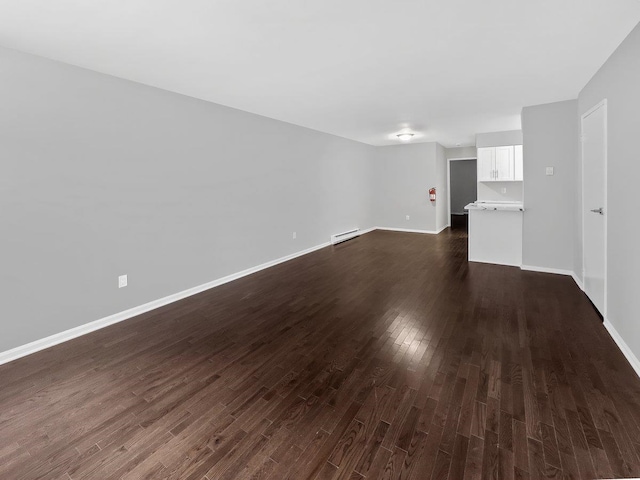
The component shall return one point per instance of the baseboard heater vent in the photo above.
(344, 236)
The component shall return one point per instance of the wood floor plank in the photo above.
(520, 446)
(459, 457)
(490, 455)
(388, 356)
(474, 463)
(394, 464)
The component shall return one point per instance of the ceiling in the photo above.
(360, 69)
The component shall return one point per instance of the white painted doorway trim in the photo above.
(449, 160)
(602, 104)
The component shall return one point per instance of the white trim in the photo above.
(628, 353)
(362, 232)
(556, 271)
(601, 104)
(57, 338)
(72, 333)
(449, 160)
(577, 280)
(494, 263)
(411, 230)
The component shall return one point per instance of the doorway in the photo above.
(463, 189)
(594, 205)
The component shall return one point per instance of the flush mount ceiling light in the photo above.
(405, 137)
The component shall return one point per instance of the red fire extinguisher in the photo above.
(432, 194)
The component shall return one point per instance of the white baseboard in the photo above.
(409, 230)
(362, 232)
(578, 281)
(556, 271)
(628, 353)
(476, 260)
(72, 333)
(633, 360)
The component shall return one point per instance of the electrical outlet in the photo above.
(122, 281)
(408, 217)
(504, 190)
(549, 170)
(295, 235)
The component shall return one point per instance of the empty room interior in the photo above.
(319, 240)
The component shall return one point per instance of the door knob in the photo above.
(598, 210)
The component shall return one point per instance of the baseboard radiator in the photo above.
(344, 236)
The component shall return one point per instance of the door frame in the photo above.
(601, 104)
(449, 160)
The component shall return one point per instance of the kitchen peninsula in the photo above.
(495, 219)
(495, 232)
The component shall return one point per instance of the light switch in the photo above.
(549, 171)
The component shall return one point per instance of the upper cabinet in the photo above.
(504, 164)
(486, 164)
(500, 164)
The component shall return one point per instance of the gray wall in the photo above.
(442, 191)
(464, 184)
(461, 152)
(102, 177)
(498, 139)
(550, 140)
(403, 175)
(492, 191)
(618, 81)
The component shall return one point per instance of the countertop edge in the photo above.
(495, 207)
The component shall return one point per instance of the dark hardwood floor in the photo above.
(388, 356)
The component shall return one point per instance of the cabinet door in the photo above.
(504, 163)
(518, 163)
(486, 164)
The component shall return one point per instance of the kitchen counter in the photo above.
(506, 206)
(495, 232)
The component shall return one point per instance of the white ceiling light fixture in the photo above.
(405, 136)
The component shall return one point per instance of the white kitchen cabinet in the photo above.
(504, 164)
(500, 164)
(486, 164)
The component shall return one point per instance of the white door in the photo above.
(486, 163)
(504, 163)
(594, 178)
